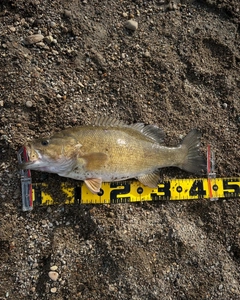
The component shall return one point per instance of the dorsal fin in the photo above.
(108, 121)
(137, 126)
(150, 131)
(154, 132)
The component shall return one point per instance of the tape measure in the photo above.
(129, 191)
(134, 191)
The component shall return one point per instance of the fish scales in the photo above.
(129, 151)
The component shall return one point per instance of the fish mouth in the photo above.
(26, 165)
(28, 157)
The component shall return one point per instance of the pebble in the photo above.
(53, 290)
(173, 5)
(53, 275)
(132, 25)
(54, 268)
(53, 24)
(225, 105)
(147, 54)
(67, 13)
(111, 288)
(35, 265)
(220, 287)
(111, 214)
(1, 103)
(48, 39)
(42, 45)
(29, 103)
(33, 39)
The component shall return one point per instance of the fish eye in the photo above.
(45, 142)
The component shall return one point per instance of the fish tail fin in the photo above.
(193, 161)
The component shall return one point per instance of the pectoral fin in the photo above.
(93, 184)
(95, 161)
(150, 180)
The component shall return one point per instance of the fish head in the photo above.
(51, 154)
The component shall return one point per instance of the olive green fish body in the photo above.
(110, 151)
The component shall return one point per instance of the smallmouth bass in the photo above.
(110, 150)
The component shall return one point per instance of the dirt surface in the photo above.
(180, 69)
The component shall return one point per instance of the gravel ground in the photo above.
(175, 64)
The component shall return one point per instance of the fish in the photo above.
(111, 150)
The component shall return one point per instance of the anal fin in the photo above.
(93, 184)
(150, 180)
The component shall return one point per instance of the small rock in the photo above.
(225, 105)
(80, 84)
(147, 54)
(29, 103)
(111, 288)
(132, 25)
(53, 275)
(111, 214)
(42, 45)
(1, 103)
(35, 265)
(200, 222)
(53, 290)
(48, 39)
(53, 24)
(54, 268)
(67, 13)
(173, 5)
(33, 39)
(220, 287)
(125, 14)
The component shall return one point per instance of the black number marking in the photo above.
(179, 189)
(77, 195)
(197, 189)
(231, 187)
(101, 192)
(38, 194)
(114, 193)
(165, 190)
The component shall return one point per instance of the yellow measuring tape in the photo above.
(134, 191)
(128, 191)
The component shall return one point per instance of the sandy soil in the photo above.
(180, 69)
